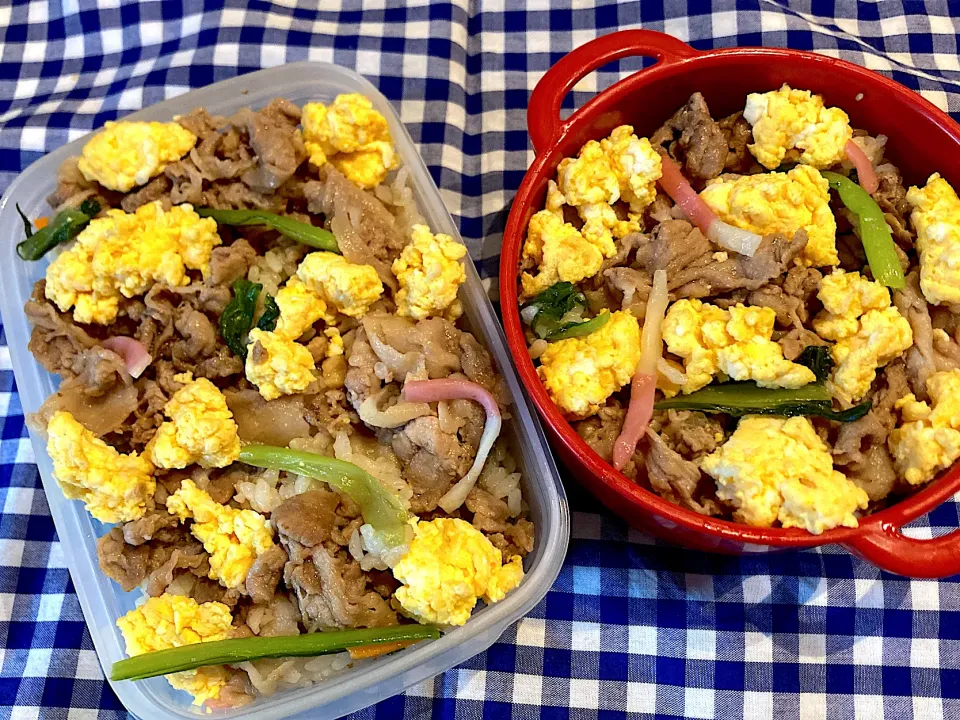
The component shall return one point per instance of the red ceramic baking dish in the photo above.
(923, 140)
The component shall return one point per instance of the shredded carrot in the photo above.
(368, 651)
(41, 222)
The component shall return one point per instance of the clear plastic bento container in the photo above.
(103, 601)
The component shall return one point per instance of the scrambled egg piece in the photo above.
(114, 487)
(233, 538)
(200, 430)
(636, 164)
(349, 287)
(929, 439)
(335, 342)
(780, 203)
(734, 343)
(936, 216)
(561, 252)
(127, 154)
(449, 566)
(276, 365)
(785, 119)
(169, 621)
(300, 308)
(775, 468)
(581, 373)
(125, 254)
(352, 136)
(868, 332)
(430, 272)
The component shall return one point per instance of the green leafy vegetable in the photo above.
(64, 227)
(302, 232)
(223, 652)
(268, 320)
(237, 317)
(817, 358)
(380, 508)
(579, 329)
(872, 229)
(746, 398)
(546, 311)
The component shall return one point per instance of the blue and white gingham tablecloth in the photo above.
(632, 628)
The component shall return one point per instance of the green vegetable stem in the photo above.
(872, 228)
(546, 311)
(579, 329)
(379, 507)
(302, 232)
(747, 398)
(225, 652)
(64, 227)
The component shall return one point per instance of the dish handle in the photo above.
(543, 115)
(884, 545)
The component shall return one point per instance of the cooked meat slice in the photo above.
(517, 539)
(124, 564)
(873, 472)
(602, 430)
(190, 557)
(773, 255)
(273, 422)
(229, 262)
(694, 138)
(478, 366)
(55, 341)
(932, 351)
(265, 574)
(489, 513)
(676, 479)
(199, 338)
(674, 245)
(361, 380)
(156, 189)
(223, 363)
(693, 434)
(855, 438)
(803, 283)
(787, 307)
(738, 134)
(200, 122)
(366, 231)
(155, 525)
(796, 340)
(73, 188)
(433, 460)
(275, 140)
(891, 196)
(402, 347)
(309, 518)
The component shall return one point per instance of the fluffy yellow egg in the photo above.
(349, 287)
(352, 136)
(785, 119)
(124, 254)
(430, 271)
(169, 621)
(868, 332)
(200, 430)
(450, 565)
(561, 253)
(581, 373)
(770, 203)
(276, 365)
(113, 487)
(929, 439)
(233, 538)
(300, 308)
(636, 164)
(936, 217)
(732, 344)
(775, 468)
(126, 154)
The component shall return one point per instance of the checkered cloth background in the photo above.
(632, 627)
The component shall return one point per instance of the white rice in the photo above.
(270, 675)
(398, 197)
(501, 479)
(273, 268)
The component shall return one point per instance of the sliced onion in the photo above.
(733, 238)
(702, 215)
(394, 416)
(865, 172)
(644, 384)
(448, 389)
(136, 359)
